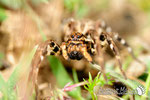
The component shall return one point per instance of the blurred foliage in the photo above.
(130, 83)
(77, 6)
(75, 78)
(1, 58)
(142, 4)
(8, 88)
(97, 81)
(101, 5)
(3, 15)
(62, 76)
(1, 55)
(143, 76)
(3, 88)
(91, 84)
(13, 4)
(36, 2)
(148, 80)
(17, 4)
(133, 85)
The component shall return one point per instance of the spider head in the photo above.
(76, 36)
(76, 47)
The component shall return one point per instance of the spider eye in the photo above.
(102, 37)
(78, 36)
(72, 36)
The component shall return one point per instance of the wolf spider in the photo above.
(83, 39)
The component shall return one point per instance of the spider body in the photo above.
(85, 39)
(82, 39)
(76, 47)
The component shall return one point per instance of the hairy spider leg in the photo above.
(116, 36)
(115, 50)
(120, 40)
(105, 38)
(86, 54)
(64, 51)
(100, 57)
(126, 45)
(49, 47)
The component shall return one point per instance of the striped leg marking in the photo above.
(117, 55)
(125, 44)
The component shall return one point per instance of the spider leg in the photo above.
(100, 57)
(101, 25)
(122, 41)
(64, 51)
(83, 50)
(114, 48)
(90, 42)
(105, 37)
(49, 47)
(68, 27)
(125, 44)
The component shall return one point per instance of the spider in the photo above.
(82, 39)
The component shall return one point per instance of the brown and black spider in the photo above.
(77, 47)
(82, 39)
